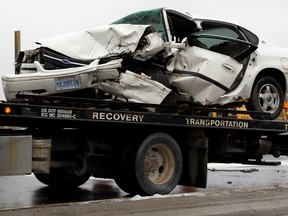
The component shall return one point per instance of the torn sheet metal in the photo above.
(220, 68)
(105, 41)
(234, 96)
(134, 87)
(154, 45)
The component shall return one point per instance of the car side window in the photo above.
(220, 31)
(222, 39)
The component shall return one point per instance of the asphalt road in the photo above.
(232, 189)
(260, 201)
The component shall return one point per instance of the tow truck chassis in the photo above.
(145, 148)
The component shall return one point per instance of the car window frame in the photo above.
(240, 37)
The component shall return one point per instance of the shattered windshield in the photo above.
(148, 17)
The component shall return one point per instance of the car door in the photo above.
(228, 39)
(221, 70)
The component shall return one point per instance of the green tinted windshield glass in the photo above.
(148, 17)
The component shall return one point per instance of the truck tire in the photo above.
(123, 169)
(153, 167)
(62, 178)
(158, 164)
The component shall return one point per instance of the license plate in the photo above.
(67, 83)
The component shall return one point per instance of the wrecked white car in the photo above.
(158, 56)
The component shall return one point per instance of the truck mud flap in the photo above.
(15, 155)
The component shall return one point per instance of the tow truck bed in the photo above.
(35, 111)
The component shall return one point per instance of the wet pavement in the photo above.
(26, 191)
(239, 202)
(19, 191)
(23, 191)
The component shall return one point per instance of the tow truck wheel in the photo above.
(124, 169)
(158, 164)
(66, 177)
(61, 178)
(153, 167)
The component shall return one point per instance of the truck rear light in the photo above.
(7, 110)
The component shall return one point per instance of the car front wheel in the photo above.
(267, 97)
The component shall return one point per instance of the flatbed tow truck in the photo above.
(147, 149)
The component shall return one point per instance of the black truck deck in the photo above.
(35, 111)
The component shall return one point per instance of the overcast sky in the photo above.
(38, 19)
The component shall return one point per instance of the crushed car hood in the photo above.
(105, 41)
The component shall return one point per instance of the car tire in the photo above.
(267, 97)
